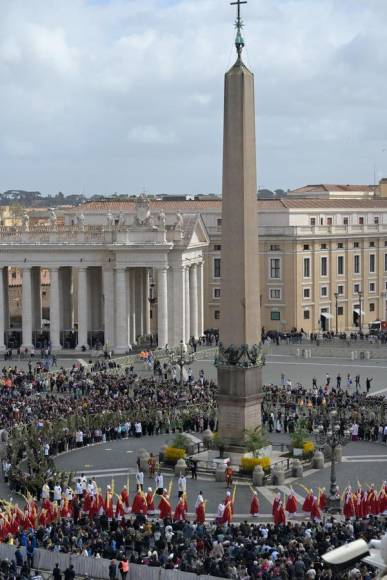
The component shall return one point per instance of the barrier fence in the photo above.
(96, 567)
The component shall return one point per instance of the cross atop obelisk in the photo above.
(239, 42)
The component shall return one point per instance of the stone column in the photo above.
(193, 292)
(2, 309)
(36, 299)
(66, 293)
(133, 326)
(27, 309)
(187, 307)
(121, 344)
(146, 303)
(162, 310)
(171, 307)
(200, 300)
(140, 301)
(54, 310)
(108, 306)
(128, 306)
(83, 308)
(179, 305)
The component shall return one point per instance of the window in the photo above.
(356, 288)
(216, 267)
(275, 268)
(372, 263)
(216, 292)
(306, 247)
(340, 310)
(372, 244)
(219, 222)
(385, 262)
(151, 314)
(13, 275)
(306, 292)
(275, 248)
(217, 247)
(324, 291)
(275, 315)
(323, 247)
(356, 264)
(312, 221)
(324, 266)
(376, 219)
(329, 221)
(372, 306)
(217, 314)
(275, 293)
(361, 220)
(340, 245)
(306, 314)
(340, 265)
(321, 221)
(372, 286)
(44, 293)
(307, 267)
(340, 289)
(345, 221)
(355, 244)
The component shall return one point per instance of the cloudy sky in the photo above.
(98, 96)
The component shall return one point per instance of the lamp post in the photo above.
(180, 357)
(360, 310)
(332, 438)
(337, 325)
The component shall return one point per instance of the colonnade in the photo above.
(113, 300)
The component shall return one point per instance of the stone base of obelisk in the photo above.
(239, 403)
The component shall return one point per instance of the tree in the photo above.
(255, 439)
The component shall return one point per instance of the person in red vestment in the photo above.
(349, 507)
(150, 501)
(382, 501)
(125, 498)
(165, 507)
(108, 507)
(357, 504)
(323, 500)
(42, 520)
(139, 505)
(180, 511)
(200, 509)
(254, 506)
(87, 501)
(276, 503)
(372, 501)
(228, 513)
(279, 516)
(291, 503)
(314, 511)
(308, 502)
(120, 512)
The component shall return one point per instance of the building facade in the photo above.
(322, 260)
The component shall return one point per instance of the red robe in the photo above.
(315, 512)
(120, 512)
(227, 514)
(254, 506)
(42, 519)
(323, 501)
(279, 516)
(108, 507)
(349, 507)
(373, 504)
(291, 504)
(382, 501)
(150, 501)
(165, 508)
(276, 503)
(87, 502)
(201, 513)
(358, 505)
(180, 511)
(308, 502)
(139, 505)
(125, 498)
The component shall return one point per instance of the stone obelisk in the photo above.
(240, 359)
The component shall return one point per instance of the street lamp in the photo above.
(360, 309)
(337, 326)
(180, 357)
(332, 438)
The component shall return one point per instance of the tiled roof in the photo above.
(326, 187)
(263, 204)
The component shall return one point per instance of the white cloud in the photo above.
(84, 83)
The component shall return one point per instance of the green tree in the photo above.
(255, 439)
